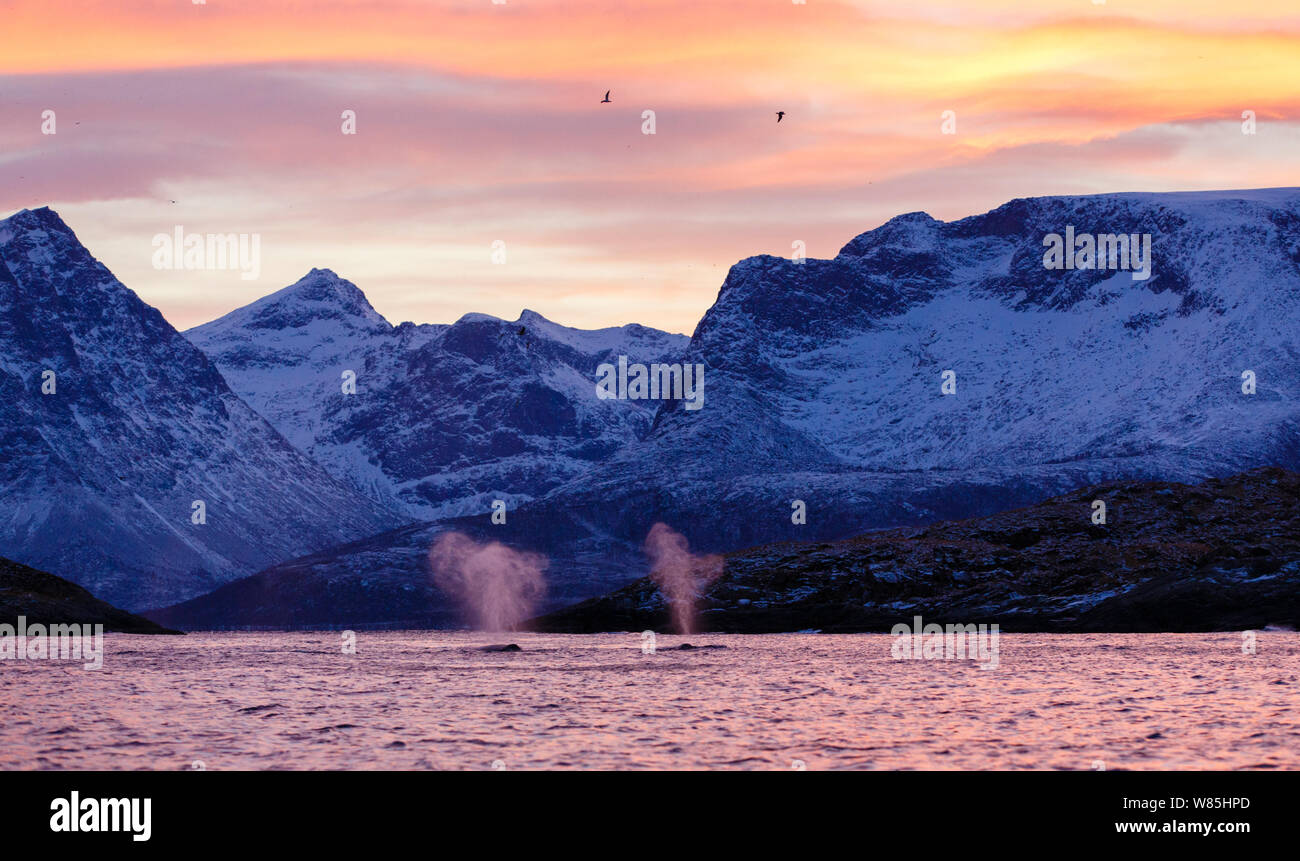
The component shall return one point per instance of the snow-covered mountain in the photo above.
(443, 419)
(825, 378)
(114, 426)
(825, 382)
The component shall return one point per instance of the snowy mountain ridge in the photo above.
(826, 377)
(128, 464)
(444, 419)
(826, 388)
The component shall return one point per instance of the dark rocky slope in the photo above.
(49, 600)
(1220, 555)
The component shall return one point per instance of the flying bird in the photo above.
(780, 115)
(606, 99)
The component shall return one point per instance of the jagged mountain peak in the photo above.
(1112, 212)
(40, 247)
(912, 259)
(912, 229)
(42, 216)
(530, 316)
(43, 219)
(526, 317)
(115, 426)
(480, 334)
(320, 295)
(441, 417)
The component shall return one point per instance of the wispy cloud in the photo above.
(478, 122)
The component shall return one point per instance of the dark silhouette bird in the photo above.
(606, 99)
(780, 115)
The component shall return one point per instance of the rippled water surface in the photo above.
(417, 700)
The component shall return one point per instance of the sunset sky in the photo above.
(479, 121)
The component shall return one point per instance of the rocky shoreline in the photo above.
(43, 598)
(1220, 555)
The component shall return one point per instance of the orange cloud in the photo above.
(480, 121)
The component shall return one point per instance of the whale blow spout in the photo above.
(495, 585)
(679, 574)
